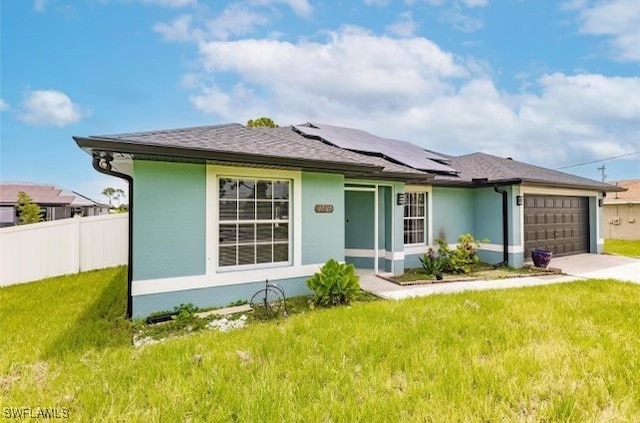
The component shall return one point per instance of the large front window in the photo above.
(253, 221)
(414, 217)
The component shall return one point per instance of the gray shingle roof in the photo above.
(482, 165)
(286, 147)
(236, 138)
(266, 143)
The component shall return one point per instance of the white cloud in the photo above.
(456, 3)
(300, 7)
(174, 4)
(39, 5)
(617, 19)
(475, 3)
(49, 107)
(3, 105)
(352, 62)
(457, 13)
(461, 21)
(404, 26)
(235, 20)
(411, 89)
(215, 101)
(177, 30)
(377, 3)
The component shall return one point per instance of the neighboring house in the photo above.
(249, 204)
(622, 212)
(55, 203)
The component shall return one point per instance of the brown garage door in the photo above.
(559, 224)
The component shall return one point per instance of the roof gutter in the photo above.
(103, 165)
(104, 144)
(524, 181)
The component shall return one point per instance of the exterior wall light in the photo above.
(519, 200)
(401, 199)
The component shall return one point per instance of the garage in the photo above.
(556, 223)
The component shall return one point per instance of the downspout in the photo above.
(103, 165)
(505, 227)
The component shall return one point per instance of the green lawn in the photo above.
(622, 247)
(566, 352)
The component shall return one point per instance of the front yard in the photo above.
(622, 247)
(565, 352)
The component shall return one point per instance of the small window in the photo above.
(253, 221)
(414, 217)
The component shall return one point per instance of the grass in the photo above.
(622, 247)
(565, 352)
(479, 271)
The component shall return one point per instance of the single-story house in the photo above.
(55, 202)
(249, 204)
(622, 211)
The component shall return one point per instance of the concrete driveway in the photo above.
(581, 266)
(599, 266)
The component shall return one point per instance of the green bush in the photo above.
(431, 262)
(462, 258)
(334, 284)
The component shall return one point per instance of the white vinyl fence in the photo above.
(47, 249)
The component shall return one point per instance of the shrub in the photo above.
(431, 262)
(334, 284)
(460, 259)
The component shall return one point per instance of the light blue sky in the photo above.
(553, 83)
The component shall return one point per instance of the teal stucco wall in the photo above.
(215, 296)
(453, 213)
(169, 219)
(477, 211)
(487, 219)
(322, 233)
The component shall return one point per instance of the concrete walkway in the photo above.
(577, 267)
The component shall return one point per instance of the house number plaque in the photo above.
(324, 208)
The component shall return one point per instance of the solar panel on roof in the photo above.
(400, 151)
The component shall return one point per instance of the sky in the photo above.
(552, 83)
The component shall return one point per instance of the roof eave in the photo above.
(594, 187)
(92, 144)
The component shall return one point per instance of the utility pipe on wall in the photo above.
(103, 165)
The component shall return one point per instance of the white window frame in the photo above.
(255, 221)
(423, 218)
(419, 248)
(214, 173)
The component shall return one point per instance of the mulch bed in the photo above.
(466, 278)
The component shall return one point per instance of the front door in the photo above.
(359, 232)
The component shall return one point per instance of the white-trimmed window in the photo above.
(414, 217)
(253, 221)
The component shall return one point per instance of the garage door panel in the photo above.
(529, 202)
(556, 223)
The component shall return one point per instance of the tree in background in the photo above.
(28, 210)
(112, 194)
(263, 121)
